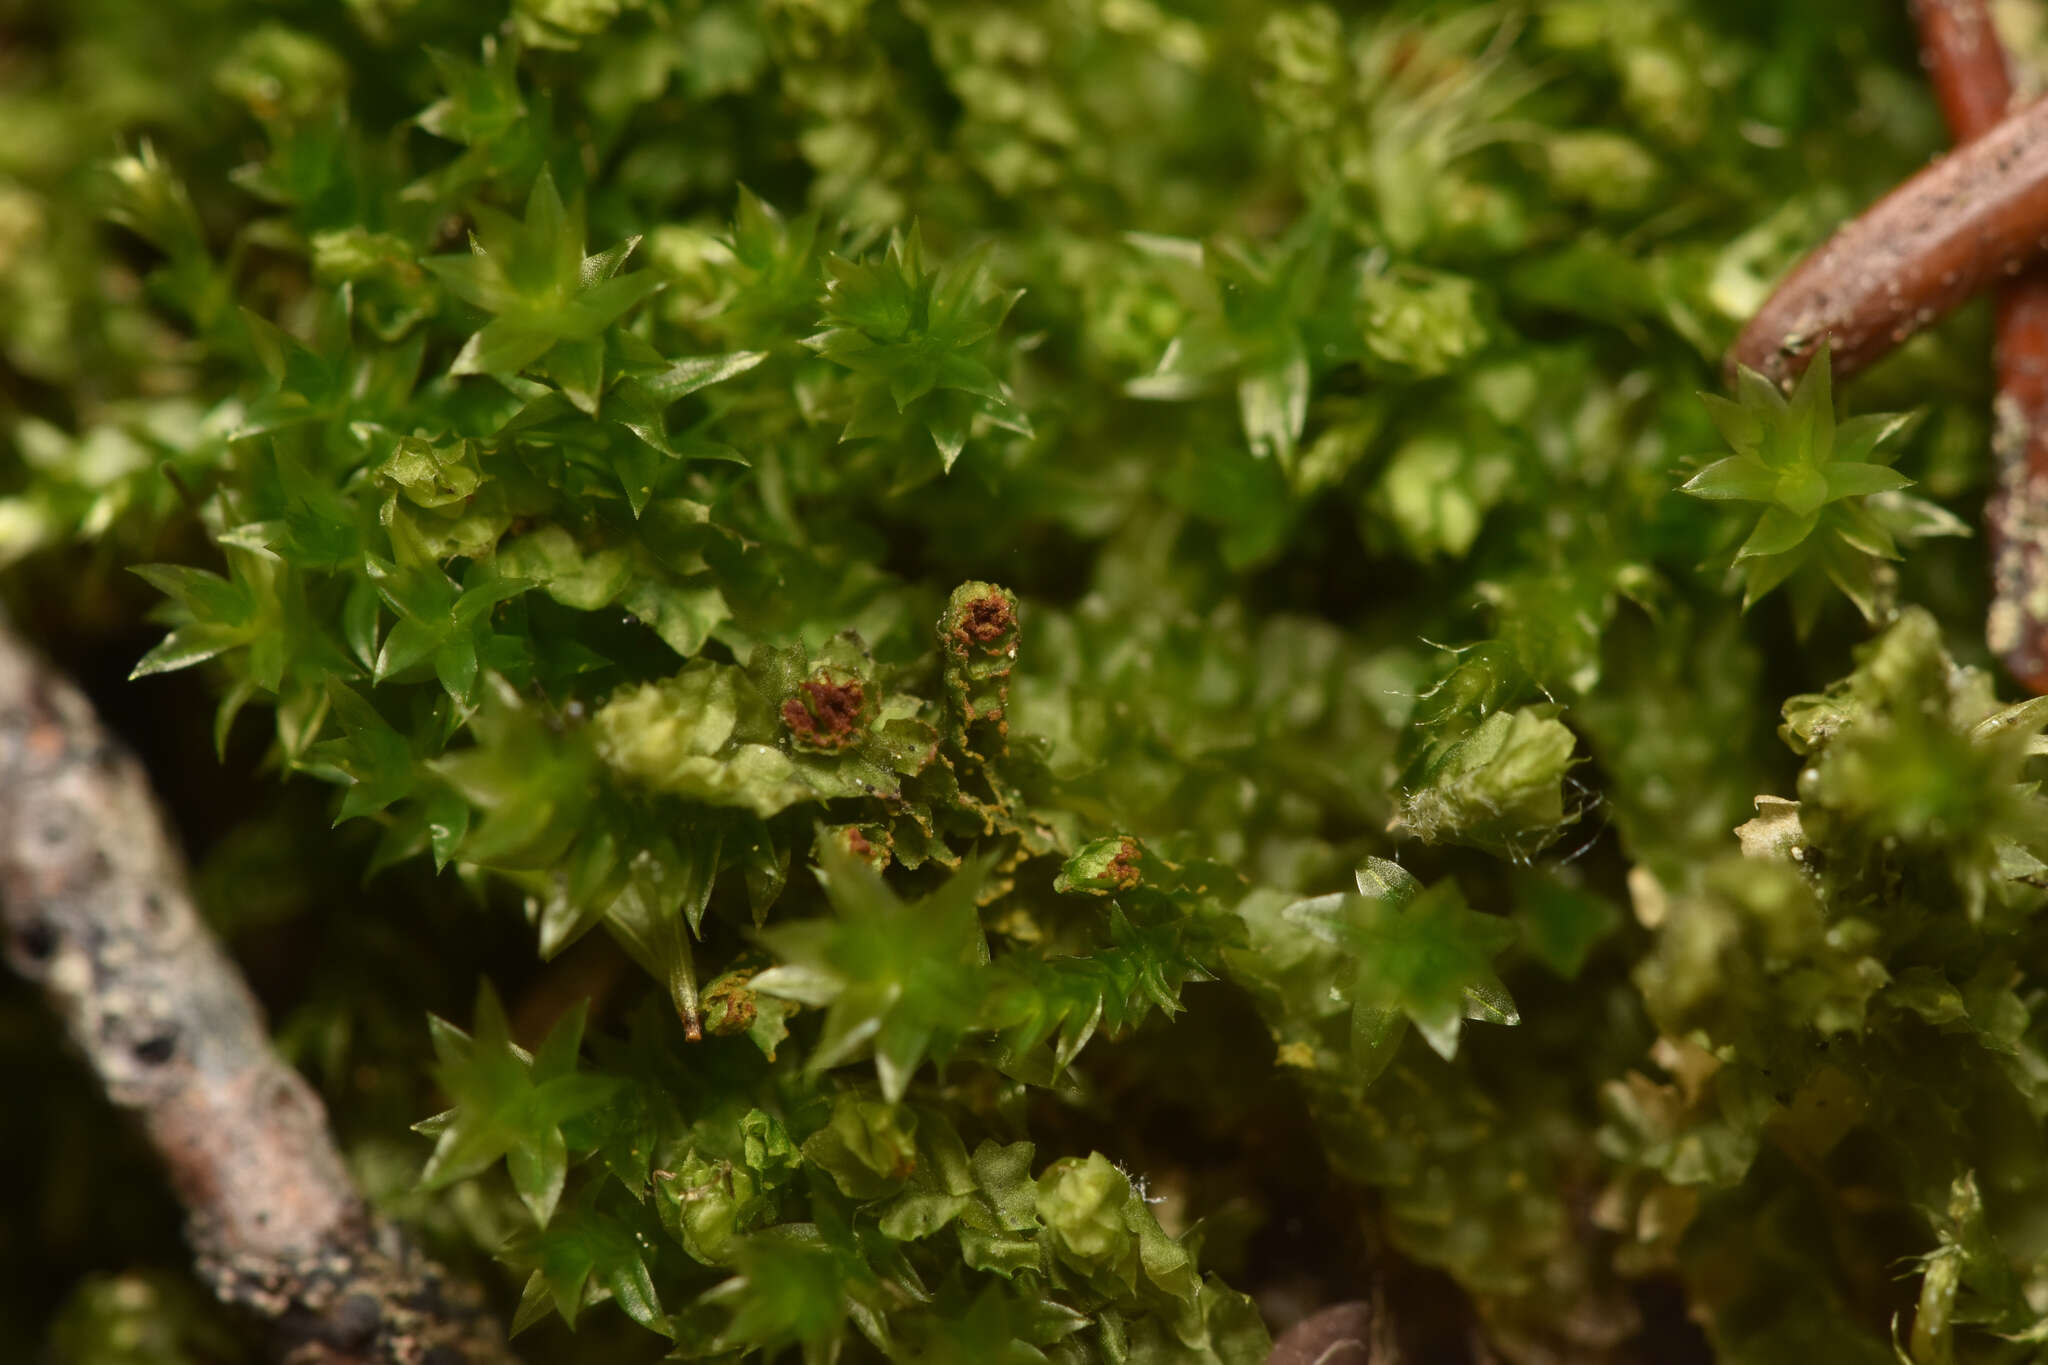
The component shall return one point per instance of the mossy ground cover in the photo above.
(962, 682)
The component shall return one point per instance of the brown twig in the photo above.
(1967, 64)
(1974, 217)
(1977, 217)
(94, 905)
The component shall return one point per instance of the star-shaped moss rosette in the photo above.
(548, 301)
(1833, 509)
(509, 1103)
(894, 977)
(1912, 761)
(1257, 315)
(1415, 955)
(921, 343)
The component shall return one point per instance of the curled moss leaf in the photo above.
(682, 736)
(1500, 787)
(868, 1148)
(1103, 867)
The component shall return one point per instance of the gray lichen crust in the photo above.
(95, 907)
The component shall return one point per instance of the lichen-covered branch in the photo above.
(95, 906)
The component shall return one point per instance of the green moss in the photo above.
(973, 542)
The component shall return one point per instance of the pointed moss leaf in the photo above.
(1387, 880)
(536, 1301)
(1739, 477)
(186, 646)
(1855, 480)
(657, 912)
(587, 1249)
(813, 986)
(1742, 427)
(1910, 518)
(950, 424)
(1489, 1002)
(1875, 436)
(685, 377)
(214, 614)
(1761, 576)
(1376, 1034)
(502, 348)
(1779, 531)
(1759, 395)
(578, 368)
(601, 266)
(539, 1170)
(1272, 400)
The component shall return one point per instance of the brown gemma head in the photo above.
(984, 621)
(729, 1006)
(825, 714)
(1123, 869)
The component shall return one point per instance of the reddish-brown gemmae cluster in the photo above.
(986, 620)
(825, 714)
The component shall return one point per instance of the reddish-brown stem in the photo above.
(1967, 64)
(1974, 217)
(94, 907)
